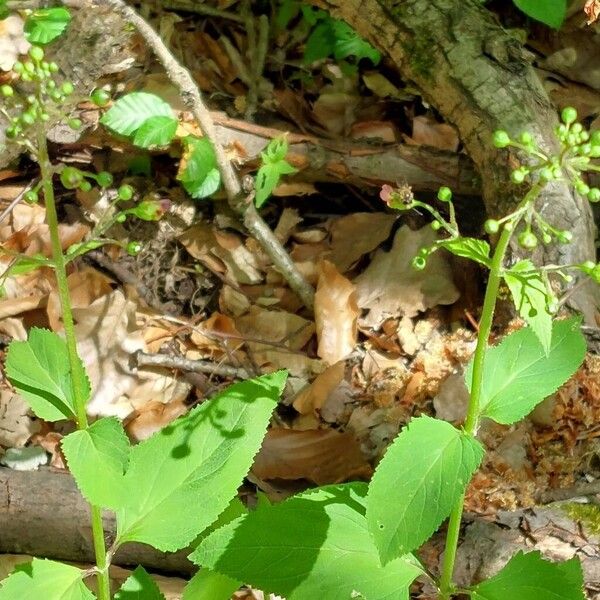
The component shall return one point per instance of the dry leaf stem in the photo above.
(237, 199)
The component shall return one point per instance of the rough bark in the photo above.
(480, 79)
(42, 513)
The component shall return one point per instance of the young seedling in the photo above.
(358, 541)
(166, 490)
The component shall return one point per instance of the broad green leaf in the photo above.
(130, 112)
(349, 43)
(41, 579)
(197, 462)
(155, 131)
(314, 545)
(210, 585)
(4, 12)
(39, 370)
(320, 43)
(267, 179)
(530, 297)
(97, 458)
(471, 248)
(26, 264)
(418, 481)
(45, 24)
(198, 170)
(518, 374)
(139, 586)
(530, 577)
(549, 12)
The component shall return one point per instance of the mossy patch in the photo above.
(587, 514)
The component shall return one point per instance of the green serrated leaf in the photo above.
(530, 577)
(97, 458)
(39, 370)
(45, 579)
(518, 374)
(471, 248)
(139, 586)
(45, 24)
(349, 43)
(549, 12)
(530, 297)
(267, 179)
(198, 170)
(314, 545)
(420, 478)
(155, 131)
(198, 461)
(210, 585)
(130, 112)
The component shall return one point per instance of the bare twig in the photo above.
(191, 97)
(201, 9)
(144, 359)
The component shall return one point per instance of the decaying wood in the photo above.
(42, 513)
(480, 79)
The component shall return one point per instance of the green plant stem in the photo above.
(446, 586)
(77, 374)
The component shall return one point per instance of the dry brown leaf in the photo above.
(215, 248)
(217, 337)
(592, 10)
(107, 335)
(336, 314)
(313, 397)
(152, 417)
(321, 456)
(428, 132)
(17, 424)
(390, 287)
(384, 131)
(354, 235)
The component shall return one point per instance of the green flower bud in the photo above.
(7, 91)
(546, 238)
(418, 263)
(18, 67)
(44, 116)
(134, 248)
(29, 67)
(435, 225)
(74, 123)
(67, 88)
(561, 131)
(100, 97)
(518, 175)
(595, 152)
(509, 226)
(125, 192)
(31, 197)
(148, 210)
(71, 177)
(500, 139)
(547, 174)
(568, 115)
(36, 53)
(28, 118)
(587, 266)
(121, 218)
(53, 67)
(104, 179)
(528, 240)
(585, 149)
(12, 131)
(25, 76)
(577, 128)
(444, 194)
(51, 84)
(85, 186)
(526, 138)
(594, 195)
(582, 187)
(491, 226)
(564, 237)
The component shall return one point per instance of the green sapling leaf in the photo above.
(210, 585)
(471, 248)
(273, 167)
(139, 586)
(45, 24)
(198, 171)
(518, 374)
(530, 297)
(97, 458)
(43, 578)
(182, 478)
(39, 370)
(549, 12)
(530, 577)
(313, 545)
(155, 131)
(422, 475)
(130, 112)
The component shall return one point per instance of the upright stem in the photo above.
(77, 374)
(446, 586)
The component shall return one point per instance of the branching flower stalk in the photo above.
(578, 147)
